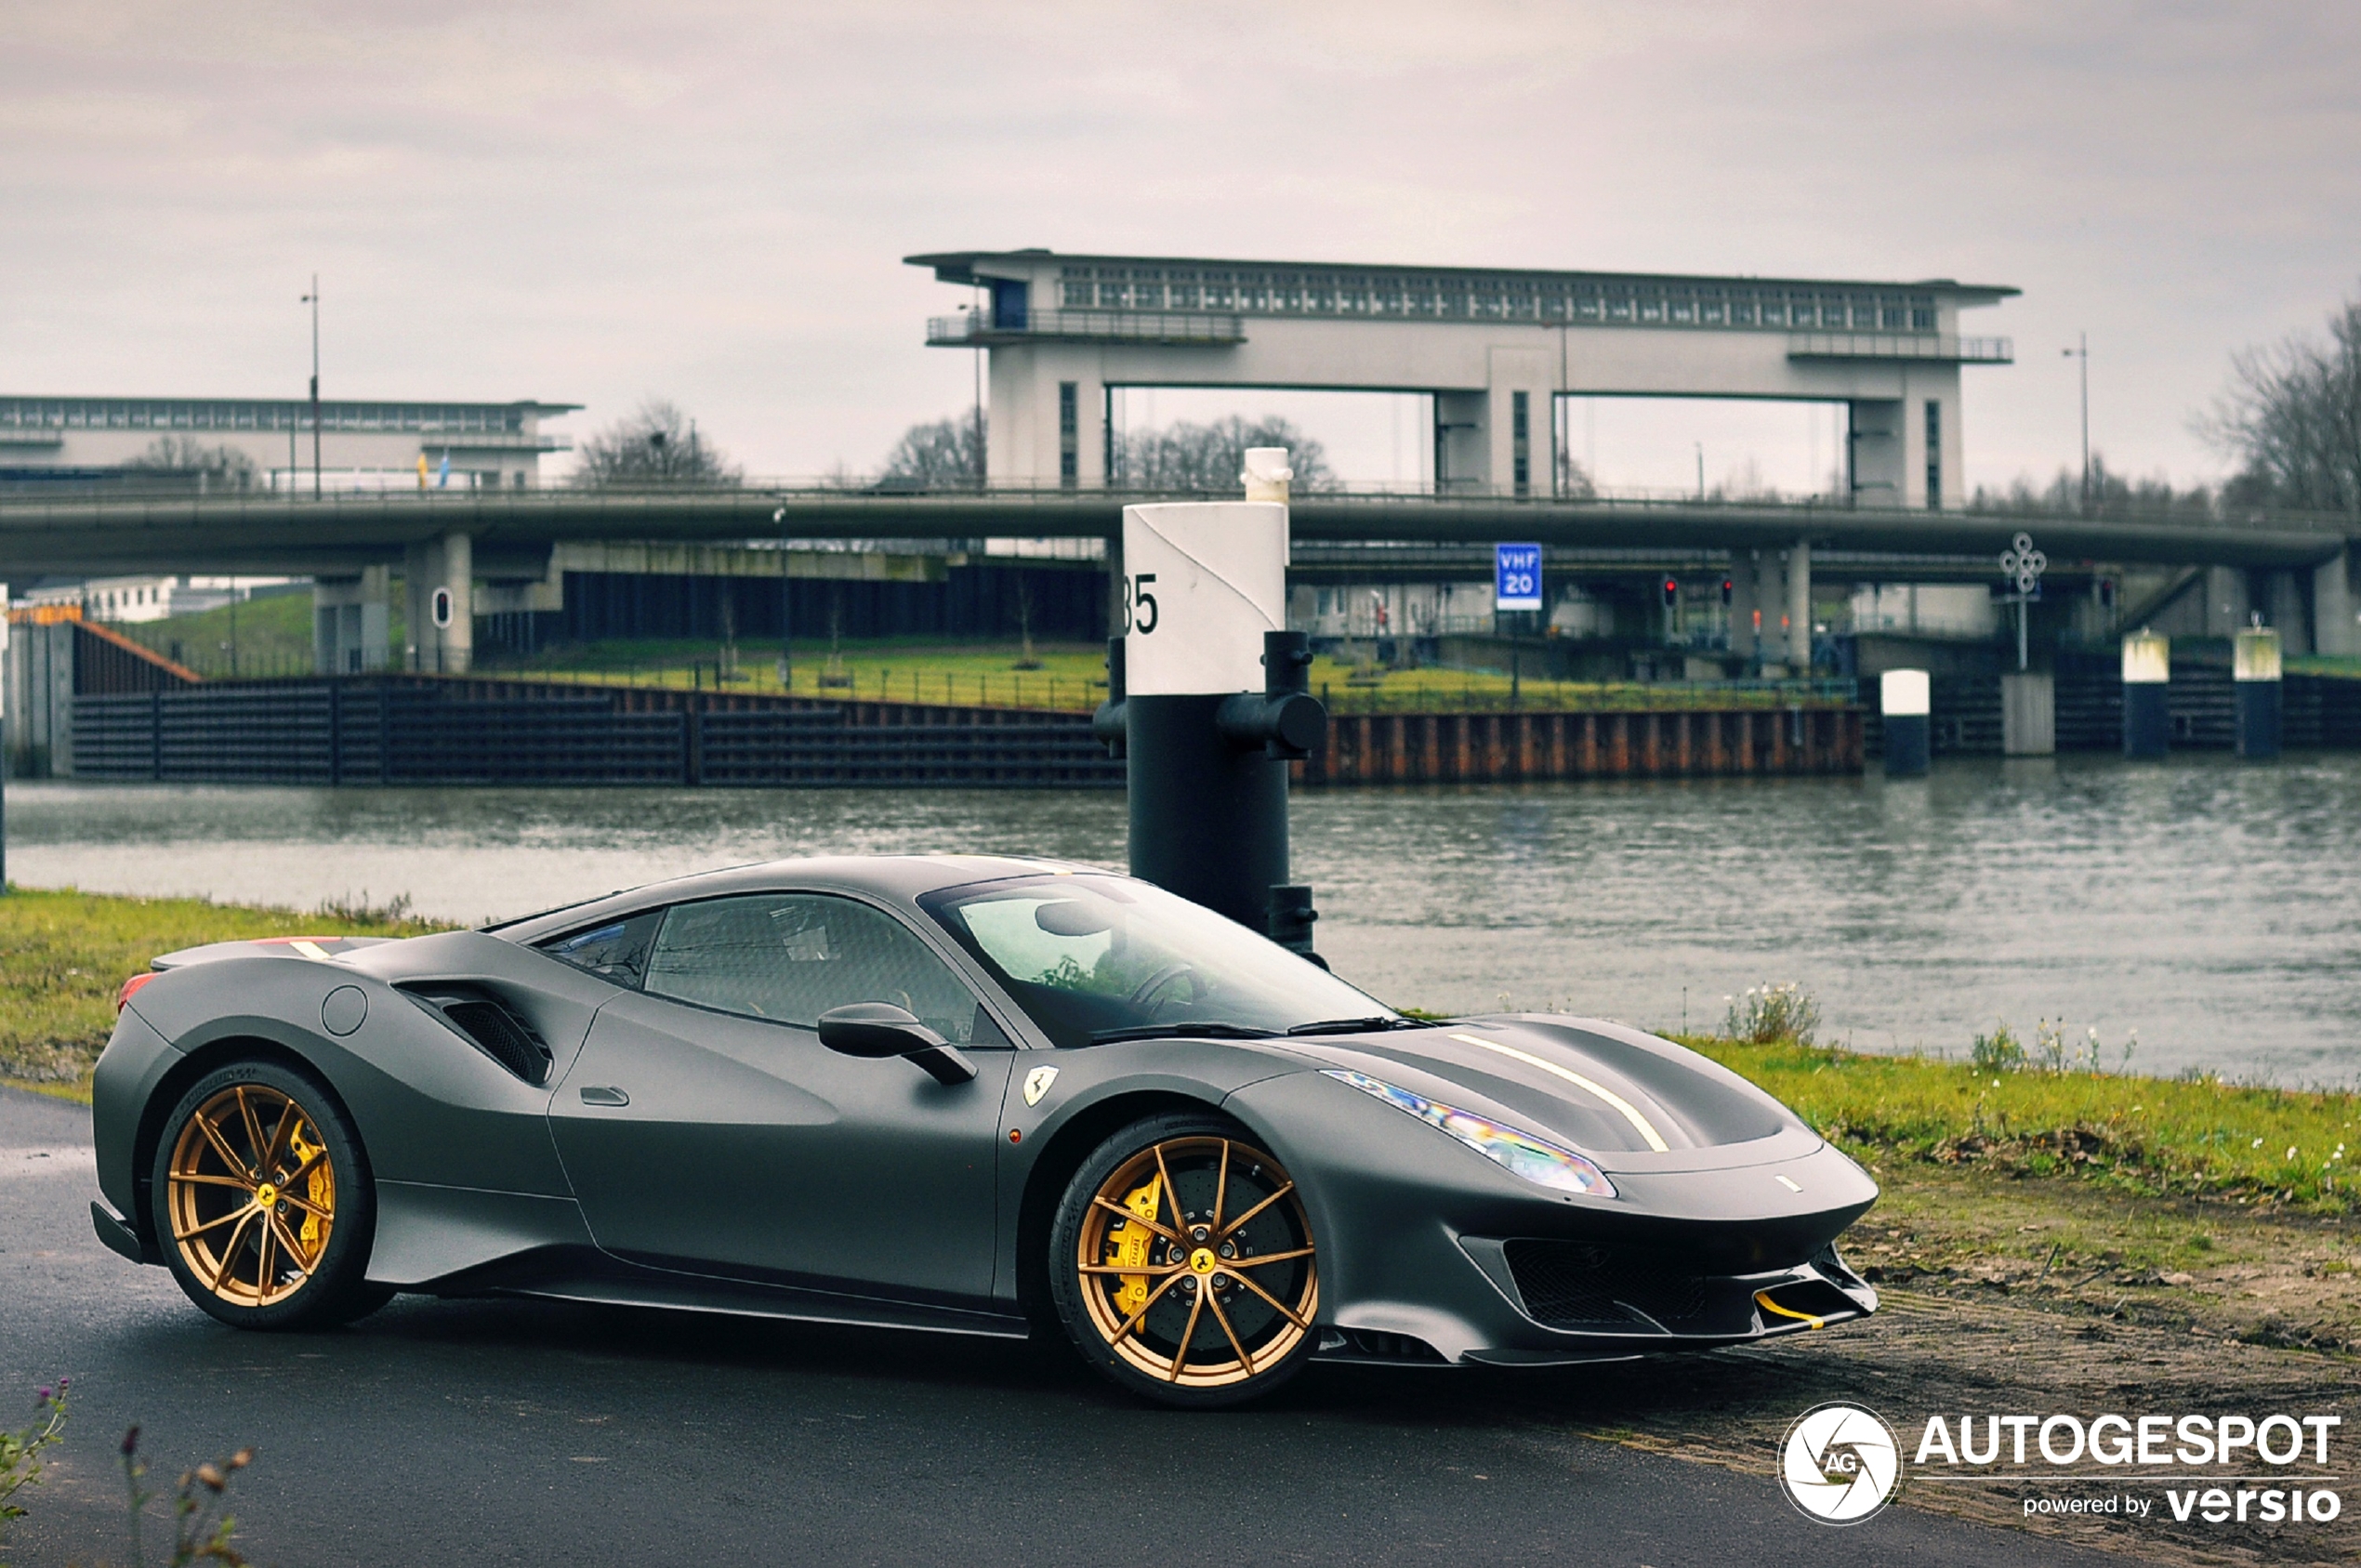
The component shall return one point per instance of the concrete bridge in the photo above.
(451, 541)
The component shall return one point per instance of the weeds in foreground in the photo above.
(20, 1461)
(202, 1527)
(1769, 1012)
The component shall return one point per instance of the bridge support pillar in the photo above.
(440, 576)
(1798, 610)
(2334, 628)
(351, 622)
(2227, 602)
(2283, 610)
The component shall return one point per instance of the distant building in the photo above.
(129, 599)
(267, 444)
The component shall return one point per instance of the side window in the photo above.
(791, 956)
(617, 951)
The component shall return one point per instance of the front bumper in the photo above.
(1431, 1254)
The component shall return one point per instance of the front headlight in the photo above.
(1521, 1154)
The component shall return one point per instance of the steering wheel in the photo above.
(1161, 978)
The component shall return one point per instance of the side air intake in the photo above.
(488, 1024)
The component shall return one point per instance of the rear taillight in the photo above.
(131, 988)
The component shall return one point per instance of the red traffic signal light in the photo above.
(1727, 591)
(1671, 593)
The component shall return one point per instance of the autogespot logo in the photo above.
(1838, 1463)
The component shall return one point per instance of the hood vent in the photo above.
(488, 1024)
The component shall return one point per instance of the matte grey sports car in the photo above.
(952, 1092)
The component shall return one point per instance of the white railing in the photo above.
(1900, 345)
(1107, 326)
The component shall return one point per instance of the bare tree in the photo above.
(1210, 457)
(940, 454)
(2112, 495)
(655, 444)
(2292, 417)
(184, 457)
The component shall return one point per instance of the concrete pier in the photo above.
(440, 576)
(352, 622)
(2255, 667)
(2147, 676)
(2335, 628)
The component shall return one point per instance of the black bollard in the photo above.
(2255, 676)
(1207, 778)
(1902, 703)
(2148, 674)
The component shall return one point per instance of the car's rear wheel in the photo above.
(1182, 1264)
(263, 1206)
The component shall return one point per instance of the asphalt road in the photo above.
(515, 1431)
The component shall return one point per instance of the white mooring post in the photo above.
(1209, 700)
(1902, 705)
(2254, 672)
(2147, 677)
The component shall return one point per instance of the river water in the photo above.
(2210, 907)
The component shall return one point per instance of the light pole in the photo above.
(2082, 352)
(312, 299)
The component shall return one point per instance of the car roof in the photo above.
(900, 879)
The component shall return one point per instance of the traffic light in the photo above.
(1671, 593)
(1729, 592)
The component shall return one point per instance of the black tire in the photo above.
(1149, 1332)
(300, 1261)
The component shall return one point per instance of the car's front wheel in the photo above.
(263, 1207)
(1182, 1264)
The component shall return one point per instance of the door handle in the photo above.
(602, 1094)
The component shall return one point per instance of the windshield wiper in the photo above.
(1371, 1025)
(1179, 1032)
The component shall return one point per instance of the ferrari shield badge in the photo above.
(1036, 1084)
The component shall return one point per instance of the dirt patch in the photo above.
(2006, 1297)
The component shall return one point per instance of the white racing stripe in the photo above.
(314, 950)
(1630, 1111)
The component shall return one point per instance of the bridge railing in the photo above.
(759, 495)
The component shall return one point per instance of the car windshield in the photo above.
(1087, 957)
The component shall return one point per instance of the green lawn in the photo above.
(1072, 677)
(64, 955)
(2163, 1136)
(272, 637)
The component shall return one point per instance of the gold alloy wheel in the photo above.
(1197, 1263)
(252, 1196)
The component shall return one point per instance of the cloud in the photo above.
(711, 200)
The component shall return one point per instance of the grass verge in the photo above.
(2196, 1137)
(64, 955)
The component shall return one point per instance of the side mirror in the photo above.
(877, 1029)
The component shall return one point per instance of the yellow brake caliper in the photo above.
(319, 1188)
(1128, 1244)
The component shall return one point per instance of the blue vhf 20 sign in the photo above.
(1516, 576)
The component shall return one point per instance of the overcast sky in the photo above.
(709, 201)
